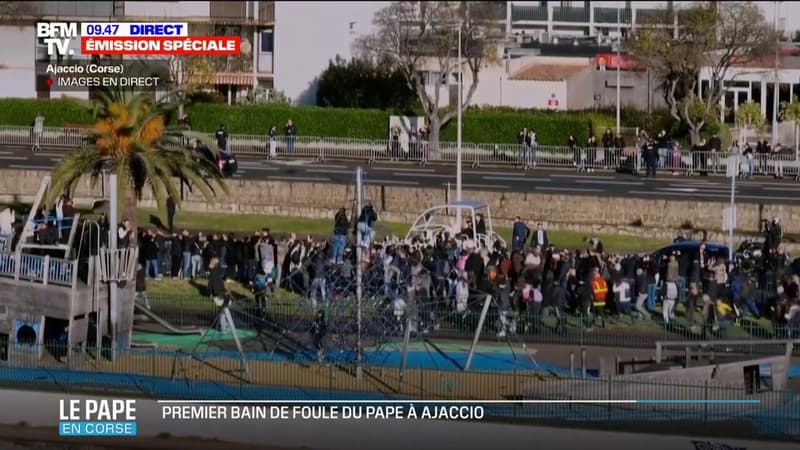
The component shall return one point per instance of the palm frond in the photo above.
(131, 136)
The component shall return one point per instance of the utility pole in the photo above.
(459, 122)
(619, 63)
(359, 273)
(776, 84)
(113, 294)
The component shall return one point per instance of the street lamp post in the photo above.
(619, 63)
(114, 306)
(776, 84)
(459, 119)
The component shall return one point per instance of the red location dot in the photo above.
(49, 82)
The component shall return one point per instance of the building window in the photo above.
(267, 41)
(227, 30)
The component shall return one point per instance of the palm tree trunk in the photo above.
(129, 203)
(126, 292)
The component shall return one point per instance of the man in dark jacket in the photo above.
(150, 251)
(539, 237)
(318, 330)
(218, 291)
(222, 137)
(366, 221)
(176, 253)
(341, 226)
(520, 235)
(170, 213)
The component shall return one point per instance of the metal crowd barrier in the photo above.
(513, 155)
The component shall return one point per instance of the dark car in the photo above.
(224, 160)
(795, 267)
(692, 248)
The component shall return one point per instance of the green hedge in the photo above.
(499, 127)
(17, 111)
(481, 125)
(310, 120)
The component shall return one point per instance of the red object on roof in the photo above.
(609, 61)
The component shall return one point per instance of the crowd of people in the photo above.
(447, 276)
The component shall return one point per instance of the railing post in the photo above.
(17, 264)
(46, 269)
(610, 395)
(583, 363)
(705, 403)
(572, 364)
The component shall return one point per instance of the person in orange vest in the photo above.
(599, 293)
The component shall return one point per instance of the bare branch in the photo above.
(710, 37)
(423, 37)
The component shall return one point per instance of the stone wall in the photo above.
(628, 216)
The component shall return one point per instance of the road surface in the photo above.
(543, 180)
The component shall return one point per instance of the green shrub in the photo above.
(56, 112)
(481, 125)
(502, 127)
(310, 121)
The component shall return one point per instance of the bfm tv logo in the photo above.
(57, 36)
(97, 418)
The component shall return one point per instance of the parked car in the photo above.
(795, 266)
(692, 248)
(224, 160)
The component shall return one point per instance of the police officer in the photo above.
(222, 137)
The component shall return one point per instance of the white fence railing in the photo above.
(37, 268)
(515, 155)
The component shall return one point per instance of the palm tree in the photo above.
(131, 138)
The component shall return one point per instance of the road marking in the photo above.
(678, 189)
(549, 188)
(51, 154)
(343, 172)
(768, 198)
(261, 168)
(596, 177)
(483, 186)
(402, 169)
(701, 195)
(423, 175)
(506, 175)
(373, 181)
(539, 180)
(6, 153)
(787, 188)
(56, 159)
(624, 183)
(270, 177)
(14, 158)
(13, 166)
(756, 183)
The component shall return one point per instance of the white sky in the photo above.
(309, 34)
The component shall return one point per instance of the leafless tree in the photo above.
(712, 36)
(420, 37)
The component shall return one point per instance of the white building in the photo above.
(254, 21)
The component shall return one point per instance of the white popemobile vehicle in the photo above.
(443, 218)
